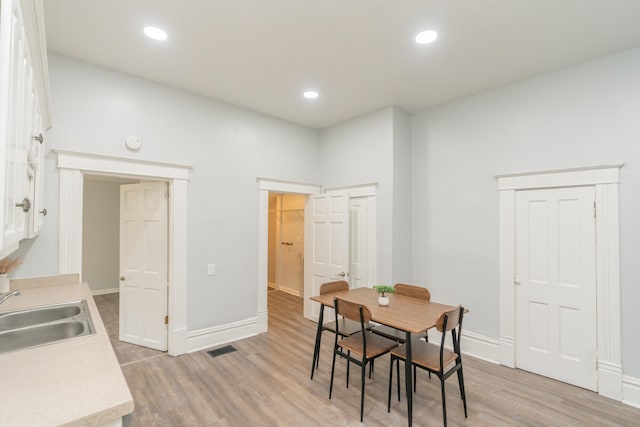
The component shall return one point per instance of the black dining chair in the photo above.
(367, 345)
(344, 327)
(435, 358)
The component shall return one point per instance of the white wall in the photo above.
(360, 151)
(402, 270)
(585, 115)
(95, 109)
(101, 234)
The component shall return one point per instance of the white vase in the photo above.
(384, 301)
(4, 283)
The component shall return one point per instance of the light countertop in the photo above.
(77, 382)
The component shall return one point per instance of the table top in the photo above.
(405, 313)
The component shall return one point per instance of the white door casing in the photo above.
(266, 185)
(605, 180)
(72, 165)
(143, 264)
(326, 244)
(556, 284)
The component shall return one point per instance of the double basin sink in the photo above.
(34, 327)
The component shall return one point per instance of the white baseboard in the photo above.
(290, 291)
(263, 321)
(631, 391)
(105, 291)
(610, 380)
(473, 344)
(219, 335)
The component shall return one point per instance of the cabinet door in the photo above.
(16, 161)
(23, 115)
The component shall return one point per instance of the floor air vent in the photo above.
(222, 350)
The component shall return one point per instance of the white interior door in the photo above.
(359, 245)
(143, 264)
(555, 284)
(326, 245)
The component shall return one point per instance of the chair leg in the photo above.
(398, 375)
(348, 366)
(444, 404)
(371, 367)
(390, 380)
(415, 377)
(462, 394)
(363, 371)
(333, 368)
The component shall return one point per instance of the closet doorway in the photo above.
(286, 243)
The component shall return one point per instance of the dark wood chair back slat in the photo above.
(331, 287)
(453, 319)
(413, 291)
(350, 310)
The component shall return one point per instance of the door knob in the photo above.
(25, 205)
(121, 278)
(341, 274)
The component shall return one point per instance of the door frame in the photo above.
(72, 166)
(266, 185)
(605, 179)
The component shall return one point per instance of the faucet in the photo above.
(6, 296)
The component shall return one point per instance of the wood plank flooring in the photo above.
(266, 383)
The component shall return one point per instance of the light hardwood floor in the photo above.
(266, 383)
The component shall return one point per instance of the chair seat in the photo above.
(426, 355)
(376, 344)
(346, 327)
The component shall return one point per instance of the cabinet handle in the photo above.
(25, 205)
(43, 212)
(39, 138)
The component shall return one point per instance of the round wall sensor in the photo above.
(133, 143)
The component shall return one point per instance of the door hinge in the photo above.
(166, 320)
(594, 209)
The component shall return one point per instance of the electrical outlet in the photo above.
(211, 269)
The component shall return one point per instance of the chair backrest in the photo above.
(331, 287)
(449, 319)
(352, 310)
(413, 291)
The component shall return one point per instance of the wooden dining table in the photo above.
(411, 315)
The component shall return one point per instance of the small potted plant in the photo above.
(6, 265)
(382, 291)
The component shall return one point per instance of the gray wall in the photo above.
(95, 109)
(581, 116)
(100, 234)
(401, 197)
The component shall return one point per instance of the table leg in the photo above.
(316, 349)
(409, 379)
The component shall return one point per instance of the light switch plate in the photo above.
(211, 269)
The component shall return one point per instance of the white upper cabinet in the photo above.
(24, 115)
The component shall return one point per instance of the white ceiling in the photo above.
(359, 54)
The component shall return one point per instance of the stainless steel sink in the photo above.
(19, 319)
(39, 326)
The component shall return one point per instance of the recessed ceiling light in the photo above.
(310, 94)
(155, 33)
(426, 37)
